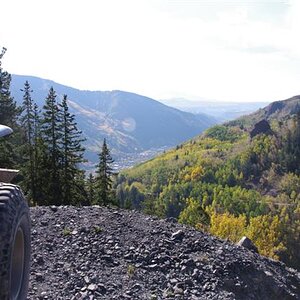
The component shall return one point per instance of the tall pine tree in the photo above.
(51, 133)
(41, 165)
(72, 156)
(103, 181)
(27, 150)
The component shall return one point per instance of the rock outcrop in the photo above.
(261, 127)
(102, 253)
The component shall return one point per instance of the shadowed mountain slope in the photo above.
(131, 123)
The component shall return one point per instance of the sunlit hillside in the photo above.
(240, 178)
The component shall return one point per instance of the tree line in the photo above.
(47, 148)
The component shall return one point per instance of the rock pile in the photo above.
(103, 253)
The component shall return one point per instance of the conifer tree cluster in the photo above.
(52, 152)
(47, 148)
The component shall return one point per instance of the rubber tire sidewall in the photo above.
(14, 213)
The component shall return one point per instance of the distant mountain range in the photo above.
(136, 127)
(277, 110)
(222, 111)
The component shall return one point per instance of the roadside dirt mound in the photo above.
(103, 253)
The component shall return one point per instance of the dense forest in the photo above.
(46, 147)
(236, 179)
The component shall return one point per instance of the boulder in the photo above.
(247, 243)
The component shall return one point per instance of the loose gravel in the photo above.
(105, 253)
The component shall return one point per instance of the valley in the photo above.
(136, 127)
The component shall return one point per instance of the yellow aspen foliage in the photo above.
(228, 226)
(194, 215)
(265, 233)
(187, 177)
(197, 173)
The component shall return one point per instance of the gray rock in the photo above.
(247, 243)
(178, 235)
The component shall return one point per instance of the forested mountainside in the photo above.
(239, 178)
(130, 123)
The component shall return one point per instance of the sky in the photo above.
(225, 50)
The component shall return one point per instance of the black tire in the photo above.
(14, 243)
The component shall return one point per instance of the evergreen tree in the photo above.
(40, 161)
(104, 173)
(72, 156)
(27, 124)
(51, 133)
(8, 107)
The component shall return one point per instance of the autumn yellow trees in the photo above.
(229, 184)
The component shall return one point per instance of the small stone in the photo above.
(248, 244)
(153, 267)
(206, 286)
(107, 258)
(195, 273)
(77, 296)
(178, 291)
(92, 287)
(101, 288)
(40, 260)
(83, 294)
(53, 208)
(268, 273)
(178, 235)
(39, 277)
(137, 286)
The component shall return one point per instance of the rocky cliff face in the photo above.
(103, 253)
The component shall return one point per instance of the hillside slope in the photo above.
(131, 123)
(277, 110)
(103, 253)
(235, 179)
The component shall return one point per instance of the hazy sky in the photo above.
(236, 50)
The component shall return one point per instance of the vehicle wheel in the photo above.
(14, 243)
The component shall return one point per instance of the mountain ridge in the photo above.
(279, 109)
(131, 123)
